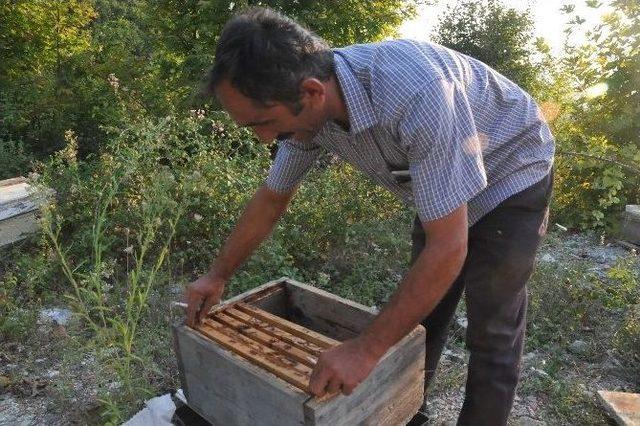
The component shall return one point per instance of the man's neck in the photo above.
(337, 107)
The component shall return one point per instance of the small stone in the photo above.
(52, 373)
(463, 322)
(540, 373)
(579, 347)
(454, 356)
(176, 289)
(547, 258)
(57, 316)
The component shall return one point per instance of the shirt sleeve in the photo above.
(293, 161)
(444, 149)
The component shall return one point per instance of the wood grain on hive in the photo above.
(282, 347)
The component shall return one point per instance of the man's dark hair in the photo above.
(266, 56)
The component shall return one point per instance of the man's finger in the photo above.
(334, 385)
(347, 389)
(192, 308)
(318, 381)
(206, 307)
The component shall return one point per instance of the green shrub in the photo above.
(14, 159)
(160, 186)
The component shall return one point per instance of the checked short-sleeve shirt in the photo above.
(460, 130)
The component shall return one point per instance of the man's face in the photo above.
(276, 120)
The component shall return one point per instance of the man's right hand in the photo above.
(201, 295)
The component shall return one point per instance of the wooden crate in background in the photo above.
(18, 210)
(631, 224)
(249, 362)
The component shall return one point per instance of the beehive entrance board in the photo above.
(249, 362)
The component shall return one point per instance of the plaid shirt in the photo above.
(456, 129)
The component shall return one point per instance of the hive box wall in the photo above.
(631, 224)
(227, 390)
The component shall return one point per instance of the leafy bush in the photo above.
(159, 186)
(597, 128)
(14, 159)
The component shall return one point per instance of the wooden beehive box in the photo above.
(18, 210)
(631, 224)
(249, 362)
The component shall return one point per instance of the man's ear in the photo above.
(313, 90)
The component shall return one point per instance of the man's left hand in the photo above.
(342, 368)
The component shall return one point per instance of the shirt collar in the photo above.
(359, 109)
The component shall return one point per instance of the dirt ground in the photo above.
(37, 389)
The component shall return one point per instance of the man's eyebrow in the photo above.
(256, 123)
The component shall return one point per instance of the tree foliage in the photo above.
(598, 130)
(40, 42)
(499, 36)
(60, 59)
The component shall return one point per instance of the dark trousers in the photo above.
(500, 258)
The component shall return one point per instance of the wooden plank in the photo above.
(18, 191)
(273, 301)
(631, 224)
(12, 181)
(623, 407)
(255, 291)
(403, 401)
(18, 227)
(226, 389)
(16, 200)
(10, 210)
(274, 331)
(268, 340)
(309, 335)
(178, 352)
(326, 313)
(268, 292)
(629, 246)
(290, 371)
(400, 370)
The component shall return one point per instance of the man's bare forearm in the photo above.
(423, 287)
(255, 224)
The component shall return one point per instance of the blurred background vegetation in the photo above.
(99, 99)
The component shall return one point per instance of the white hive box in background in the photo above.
(631, 224)
(18, 210)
